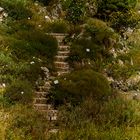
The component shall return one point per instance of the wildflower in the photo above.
(3, 85)
(56, 82)
(32, 62)
(87, 50)
(47, 18)
(22, 92)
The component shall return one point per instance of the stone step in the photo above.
(42, 107)
(40, 100)
(63, 47)
(57, 34)
(51, 114)
(61, 64)
(63, 53)
(41, 94)
(43, 88)
(59, 73)
(61, 58)
(47, 84)
(53, 131)
(62, 69)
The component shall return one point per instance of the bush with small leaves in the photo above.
(79, 85)
(57, 26)
(19, 92)
(17, 9)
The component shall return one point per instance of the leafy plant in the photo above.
(19, 92)
(57, 26)
(16, 9)
(79, 85)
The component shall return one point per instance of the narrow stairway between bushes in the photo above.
(62, 67)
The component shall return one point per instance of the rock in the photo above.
(2, 14)
(130, 95)
(46, 71)
(120, 62)
(133, 80)
(1, 9)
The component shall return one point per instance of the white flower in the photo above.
(4, 85)
(47, 17)
(87, 50)
(32, 62)
(139, 12)
(5, 14)
(39, 25)
(22, 92)
(29, 18)
(56, 82)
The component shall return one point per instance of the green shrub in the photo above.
(112, 113)
(57, 26)
(74, 10)
(79, 85)
(93, 43)
(113, 119)
(17, 9)
(20, 122)
(91, 132)
(35, 43)
(19, 92)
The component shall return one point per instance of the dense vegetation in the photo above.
(104, 40)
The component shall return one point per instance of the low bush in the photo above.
(91, 132)
(57, 26)
(79, 85)
(35, 43)
(113, 119)
(16, 9)
(19, 92)
(93, 43)
(20, 122)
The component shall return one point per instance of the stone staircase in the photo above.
(40, 102)
(62, 67)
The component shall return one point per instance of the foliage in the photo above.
(120, 13)
(17, 9)
(57, 26)
(10, 69)
(23, 123)
(35, 43)
(19, 91)
(114, 119)
(121, 21)
(48, 2)
(75, 10)
(93, 43)
(77, 86)
(88, 109)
